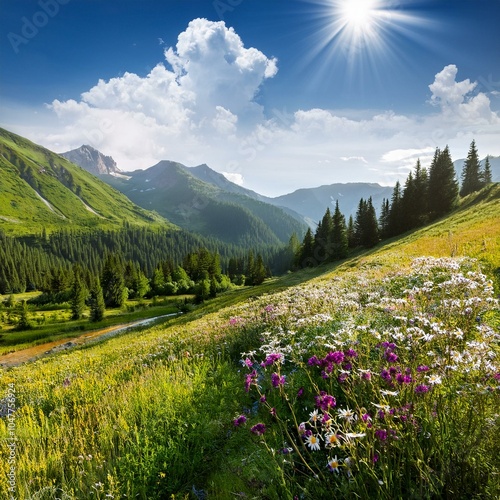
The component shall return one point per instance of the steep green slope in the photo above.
(174, 192)
(39, 188)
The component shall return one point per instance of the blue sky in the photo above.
(276, 94)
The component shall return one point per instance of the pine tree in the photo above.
(383, 220)
(323, 237)
(421, 186)
(351, 233)
(78, 293)
(443, 186)
(359, 222)
(370, 233)
(395, 213)
(96, 301)
(305, 257)
(24, 322)
(486, 176)
(113, 283)
(471, 172)
(340, 244)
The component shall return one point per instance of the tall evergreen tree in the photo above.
(396, 213)
(443, 186)
(96, 301)
(486, 176)
(351, 233)
(471, 172)
(383, 220)
(78, 293)
(305, 256)
(340, 244)
(359, 222)
(113, 282)
(370, 233)
(323, 237)
(421, 186)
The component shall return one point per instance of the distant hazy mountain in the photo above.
(211, 207)
(495, 167)
(40, 189)
(313, 202)
(92, 160)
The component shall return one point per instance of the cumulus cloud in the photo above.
(176, 113)
(456, 100)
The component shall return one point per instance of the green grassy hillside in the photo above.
(376, 377)
(173, 191)
(40, 189)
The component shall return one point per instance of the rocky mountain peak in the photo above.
(92, 160)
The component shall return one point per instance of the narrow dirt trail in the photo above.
(33, 353)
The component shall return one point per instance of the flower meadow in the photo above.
(367, 383)
(379, 388)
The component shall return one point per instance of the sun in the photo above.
(358, 14)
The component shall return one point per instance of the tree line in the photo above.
(45, 262)
(426, 195)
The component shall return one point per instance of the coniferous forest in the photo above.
(427, 195)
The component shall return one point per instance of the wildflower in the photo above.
(422, 368)
(300, 392)
(258, 429)
(331, 440)
(324, 401)
(313, 361)
(263, 398)
(346, 414)
(250, 378)
(271, 359)
(403, 379)
(276, 380)
(434, 379)
(390, 356)
(343, 377)
(389, 393)
(333, 464)
(272, 411)
(354, 435)
(421, 389)
(314, 416)
(381, 434)
(365, 374)
(247, 362)
(366, 417)
(335, 357)
(240, 420)
(313, 442)
(350, 353)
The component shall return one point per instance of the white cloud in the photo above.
(362, 159)
(406, 154)
(456, 100)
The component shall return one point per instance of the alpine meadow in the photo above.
(250, 250)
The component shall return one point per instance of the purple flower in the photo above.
(381, 434)
(276, 380)
(422, 368)
(250, 378)
(300, 392)
(422, 389)
(385, 375)
(375, 458)
(497, 376)
(313, 361)
(342, 377)
(366, 417)
(238, 421)
(271, 359)
(403, 379)
(263, 398)
(248, 363)
(258, 429)
(390, 356)
(324, 401)
(268, 308)
(272, 411)
(335, 357)
(350, 353)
